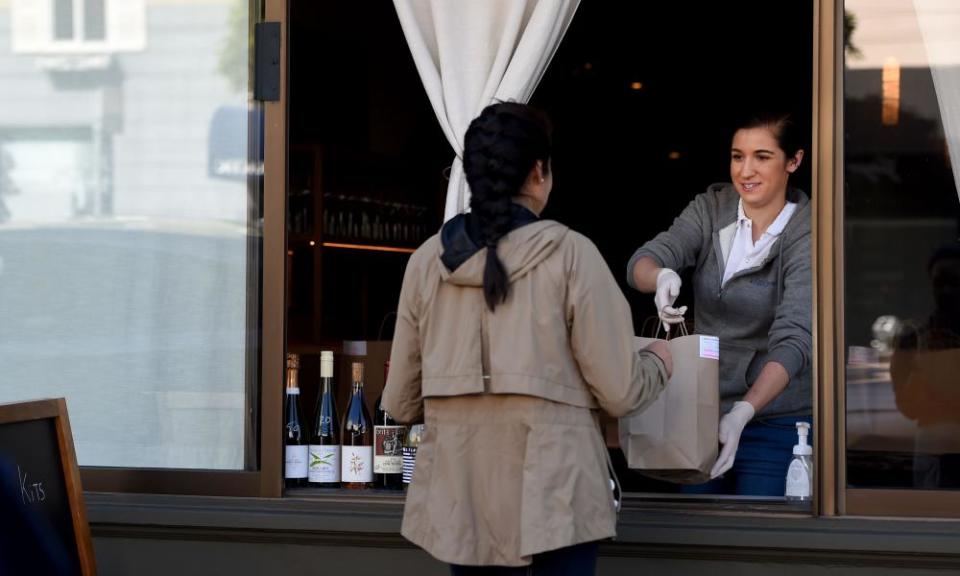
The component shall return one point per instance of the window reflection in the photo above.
(924, 372)
(128, 224)
(902, 261)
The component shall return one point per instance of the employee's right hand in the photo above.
(668, 288)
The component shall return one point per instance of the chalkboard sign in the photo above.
(43, 522)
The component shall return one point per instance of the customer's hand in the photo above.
(662, 350)
(668, 288)
(731, 427)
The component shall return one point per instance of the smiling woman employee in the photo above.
(749, 246)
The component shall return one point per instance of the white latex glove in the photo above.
(668, 288)
(731, 427)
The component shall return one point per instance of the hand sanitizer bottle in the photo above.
(800, 473)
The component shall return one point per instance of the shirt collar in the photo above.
(779, 223)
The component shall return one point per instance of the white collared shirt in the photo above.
(744, 254)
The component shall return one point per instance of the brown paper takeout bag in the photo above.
(675, 437)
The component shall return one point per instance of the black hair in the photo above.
(782, 126)
(500, 148)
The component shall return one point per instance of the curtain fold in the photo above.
(472, 53)
(940, 27)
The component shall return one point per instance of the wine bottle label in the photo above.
(356, 464)
(388, 449)
(295, 462)
(409, 460)
(324, 464)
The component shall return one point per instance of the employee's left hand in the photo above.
(731, 427)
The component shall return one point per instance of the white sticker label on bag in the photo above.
(710, 347)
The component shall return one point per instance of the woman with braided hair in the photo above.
(511, 332)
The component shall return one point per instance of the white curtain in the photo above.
(940, 26)
(471, 53)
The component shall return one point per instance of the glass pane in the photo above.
(63, 19)
(94, 20)
(129, 238)
(902, 255)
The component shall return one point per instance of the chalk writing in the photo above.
(31, 493)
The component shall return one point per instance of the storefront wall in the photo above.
(259, 533)
(192, 535)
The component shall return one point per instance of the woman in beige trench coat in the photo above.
(511, 333)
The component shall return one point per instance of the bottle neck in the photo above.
(292, 379)
(326, 385)
(293, 385)
(326, 367)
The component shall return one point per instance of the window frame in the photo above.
(267, 481)
(827, 179)
(831, 496)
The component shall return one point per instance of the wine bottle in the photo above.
(356, 436)
(388, 438)
(295, 434)
(324, 469)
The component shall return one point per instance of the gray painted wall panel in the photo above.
(124, 556)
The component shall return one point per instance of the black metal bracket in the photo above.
(266, 72)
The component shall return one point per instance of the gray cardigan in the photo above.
(763, 313)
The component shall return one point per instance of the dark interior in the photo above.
(616, 179)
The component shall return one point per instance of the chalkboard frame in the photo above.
(56, 409)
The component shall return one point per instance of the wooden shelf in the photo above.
(369, 247)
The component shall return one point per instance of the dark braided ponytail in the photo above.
(501, 147)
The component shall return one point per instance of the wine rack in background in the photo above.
(347, 247)
(378, 223)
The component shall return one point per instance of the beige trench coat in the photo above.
(512, 462)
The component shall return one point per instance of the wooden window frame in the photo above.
(827, 151)
(831, 497)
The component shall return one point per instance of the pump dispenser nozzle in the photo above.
(802, 448)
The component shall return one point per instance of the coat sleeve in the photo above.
(601, 336)
(679, 246)
(402, 394)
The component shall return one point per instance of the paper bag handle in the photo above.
(656, 333)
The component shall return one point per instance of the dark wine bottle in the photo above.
(324, 469)
(295, 433)
(388, 438)
(356, 437)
